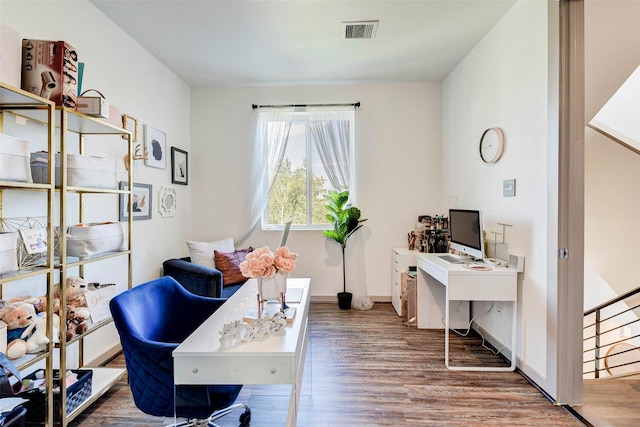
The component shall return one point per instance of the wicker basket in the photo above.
(77, 393)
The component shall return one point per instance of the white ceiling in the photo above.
(213, 42)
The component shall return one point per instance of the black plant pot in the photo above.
(344, 300)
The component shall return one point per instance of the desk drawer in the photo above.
(438, 273)
(238, 370)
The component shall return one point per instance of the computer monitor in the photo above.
(465, 228)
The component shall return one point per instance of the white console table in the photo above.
(440, 283)
(277, 359)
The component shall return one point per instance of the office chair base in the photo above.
(245, 417)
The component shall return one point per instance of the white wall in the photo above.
(612, 53)
(130, 78)
(503, 82)
(398, 172)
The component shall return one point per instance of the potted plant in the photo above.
(345, 220)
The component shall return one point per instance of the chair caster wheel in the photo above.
(245, 418)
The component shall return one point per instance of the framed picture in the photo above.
(131, 124)
(34, 239)
(179, 166)
(155, 144)
(141, 201)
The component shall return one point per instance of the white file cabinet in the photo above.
(400, 261)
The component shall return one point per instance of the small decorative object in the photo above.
(168, 201)
(141, 201)
(345, 220)
(179, 166)
(271, 270)
(138, 154)
(155, 143)
(238, 332)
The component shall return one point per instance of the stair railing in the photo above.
(609, 324)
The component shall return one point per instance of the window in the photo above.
(309, 153)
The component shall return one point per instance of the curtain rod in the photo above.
(354, 105)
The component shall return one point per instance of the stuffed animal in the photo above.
(36, 333)
(75, 288)
(76, 321)
(17, 316)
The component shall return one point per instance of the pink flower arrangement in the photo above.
(264, 263)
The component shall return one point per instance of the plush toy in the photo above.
(76, 321)
(75, 288)
(17, 316)
(36, 333)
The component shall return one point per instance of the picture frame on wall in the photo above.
(179, 166)
(155, 144)
(131, 124)
(142, 201)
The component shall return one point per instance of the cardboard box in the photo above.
(93, 106)
(50, 70)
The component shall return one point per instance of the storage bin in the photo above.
(84, 240)
(82, 171)
(40, 167)
(77, 393)
(87, 171)
(8, 252)
(14, 159)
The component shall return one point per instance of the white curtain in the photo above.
(356, 271)
(269, 146)
(333, 134)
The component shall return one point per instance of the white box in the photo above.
(93, 172)
(8, 252)
(93, 106)
(14, 159)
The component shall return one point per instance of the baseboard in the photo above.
(334, 299)
(105, 357)
(505, 352)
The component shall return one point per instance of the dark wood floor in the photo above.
(364, 368)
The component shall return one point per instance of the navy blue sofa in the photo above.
(199, 279)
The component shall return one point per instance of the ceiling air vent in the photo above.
(360, 30)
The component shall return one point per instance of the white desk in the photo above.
(440, 282)
(278, 359)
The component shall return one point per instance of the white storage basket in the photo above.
(14, 159)
(8, 252)
(94, 172)
(86, 240)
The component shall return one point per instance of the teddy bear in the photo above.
(35, 334)
(76, 321)
(75, 288)
(18, 316)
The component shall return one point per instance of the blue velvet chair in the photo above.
(152, 319)
(199, 279)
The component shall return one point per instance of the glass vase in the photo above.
(271, 288)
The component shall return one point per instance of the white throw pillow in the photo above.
(202, 252)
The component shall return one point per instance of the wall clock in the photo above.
(492, 145)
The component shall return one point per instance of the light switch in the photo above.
(509, 187)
